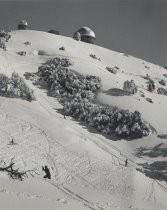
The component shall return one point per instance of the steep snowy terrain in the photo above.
(87, 168)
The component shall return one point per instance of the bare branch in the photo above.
(15, 173)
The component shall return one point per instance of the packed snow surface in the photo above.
(87, 168)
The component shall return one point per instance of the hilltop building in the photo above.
(87, 35)
(23, 25)
(77, 36)
(53, 31)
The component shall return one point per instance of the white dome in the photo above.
(23, 22)
(85, 31)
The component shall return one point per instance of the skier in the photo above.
(126, 162)
(12, 141)
(46, 170)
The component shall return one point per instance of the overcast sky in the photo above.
(136, 27)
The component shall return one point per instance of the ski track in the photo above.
(150, 193)
(25, 195)
(76, 197)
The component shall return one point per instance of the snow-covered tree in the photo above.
(77, 94)
(130, 87)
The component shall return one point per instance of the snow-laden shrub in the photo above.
(15, 86)
(162, 91)
(70, 83)
(150, 85)
(62, 48)
(112, 70)
(19, 88)
(27, 43)
(2, 45)
(147, 77)
(22, 53)
(94, 57)
(149, 100)
(147, 67)
(4, 81)
(49, 67)
(107, 120)
(5, 35)
(162, 82)
(77, 93)
(130, 87)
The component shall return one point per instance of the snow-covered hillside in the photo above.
(87, 168)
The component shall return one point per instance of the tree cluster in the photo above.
(15, 86)
(108, 120)
(77, 93)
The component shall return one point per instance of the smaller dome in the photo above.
(85, 31)
(77, 36)
(23, 22)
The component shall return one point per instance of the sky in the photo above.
(135, 27)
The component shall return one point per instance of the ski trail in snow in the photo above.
(150, 194)
(25, 195)
(76, 197)
(162, 186)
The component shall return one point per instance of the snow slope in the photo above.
(87, 168)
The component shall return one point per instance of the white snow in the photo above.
(87, 169)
